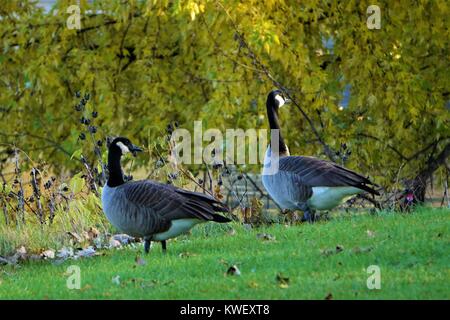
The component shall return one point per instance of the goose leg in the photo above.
(309, 215)
(147, 245)
(164, 246)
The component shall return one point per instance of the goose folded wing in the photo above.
(170, 202)
(320, 173)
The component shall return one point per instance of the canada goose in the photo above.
(149, 209)
(305, 183)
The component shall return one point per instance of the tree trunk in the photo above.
(419, 184)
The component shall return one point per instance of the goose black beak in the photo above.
(134, 150)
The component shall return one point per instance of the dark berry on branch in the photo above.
(99, 143)
(87, 96)
(82, 136)
(78, 94)
(92, 129)
(94, 114)
(79, 107)
(83, 102)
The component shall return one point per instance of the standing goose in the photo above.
(149, 209)
(305, 183)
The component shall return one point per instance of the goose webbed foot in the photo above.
(147, 244)
(164, 246)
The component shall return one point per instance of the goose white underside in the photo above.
(326, 198)
(178, 227)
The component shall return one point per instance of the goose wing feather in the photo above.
(315, 172)
(173, 203)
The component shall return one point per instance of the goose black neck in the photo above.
(115, 170)
(272, 114)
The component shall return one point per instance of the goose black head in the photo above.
(276, 99)
(124, 145)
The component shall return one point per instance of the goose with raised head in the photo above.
(152, 210)
(302, 182)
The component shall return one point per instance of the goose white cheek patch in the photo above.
(280, 100)
(123, 147)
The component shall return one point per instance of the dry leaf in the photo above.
(116, 280)
(93, 233)
(329, 296)
(113, 243)
(48, 254)
(370, 233)
(88, 252)
(283, 281)
(362, 250)
(186, 254)
(265, 236)
(21, 254)
(328, 252)
(139, 261)
(124, 238)
(76, 237)
(65, 253)
(233, 271)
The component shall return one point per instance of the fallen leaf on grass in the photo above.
(370, 233)
(113, 243)
(139, 261)
(48, 254)
(283, 281)
(265, 237)
(233, 271)
(329, 296)
(75, 236)
(65, 253)
(362, 250)
(93, 233)
(231, 232)
(85, 253)
(187, 254)
(86, 287)
(253, 284)
(116, 280)
(328, 252)
(124, 238)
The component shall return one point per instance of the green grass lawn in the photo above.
(412, 251)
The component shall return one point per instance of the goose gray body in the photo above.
(303, 183)
(157, 211)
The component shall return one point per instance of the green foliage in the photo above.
(146, 63)
(411, 251)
